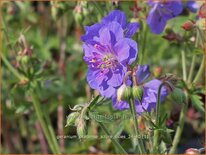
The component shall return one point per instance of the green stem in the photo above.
(200, 71)
(114, 141)
(184, 70)
(157, 118)
(156, 142)
(41, 119)
(11, 68)
(192, 68)
(182, 113)
(198, 39)
(144, 45)
(51, 130)
(179, 130)
(156, 132)
(137, 133)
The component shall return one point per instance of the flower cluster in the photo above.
(108, 50)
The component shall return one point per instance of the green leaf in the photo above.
(197, 103)
(169, 130)
(162, 119)
(94, 101)
(166, 137)
(100, 118)
(178, 96)
(118, 130)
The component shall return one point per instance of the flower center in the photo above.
(108, 61)
(104, 63)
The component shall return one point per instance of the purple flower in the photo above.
(161, 12)
(192, 6)
(107, 54)
(114, 16)
(150, 88)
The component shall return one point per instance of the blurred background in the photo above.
(52, 31)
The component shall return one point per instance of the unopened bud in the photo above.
(24, 81)
(157, 72)
(137, 92)
(192, 151)
(25, 59)
(189, 25)
(123, 93)
(78, 14)
(178, 96)
(72, 118)
(134, 20)
(11, 10)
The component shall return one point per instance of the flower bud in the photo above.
(72, 118)
(157, 72)
(23, 81)
(137, 92)
(134, 20)
(123, 93)
(192, 151)
(25, 59)
(78, 14)
(11, 9)
(189, 25)
(81, 128)
(178, 96)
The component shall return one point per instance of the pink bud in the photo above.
(157, 71)
(192, 151)
(189, 25)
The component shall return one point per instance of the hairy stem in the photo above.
(192, 68)
(52, 133)
(114, 141)
(184, 70)
(41, 119)
(134, 115)
(11, 68)
(179, 130)
(200, 71)
(157, 118)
